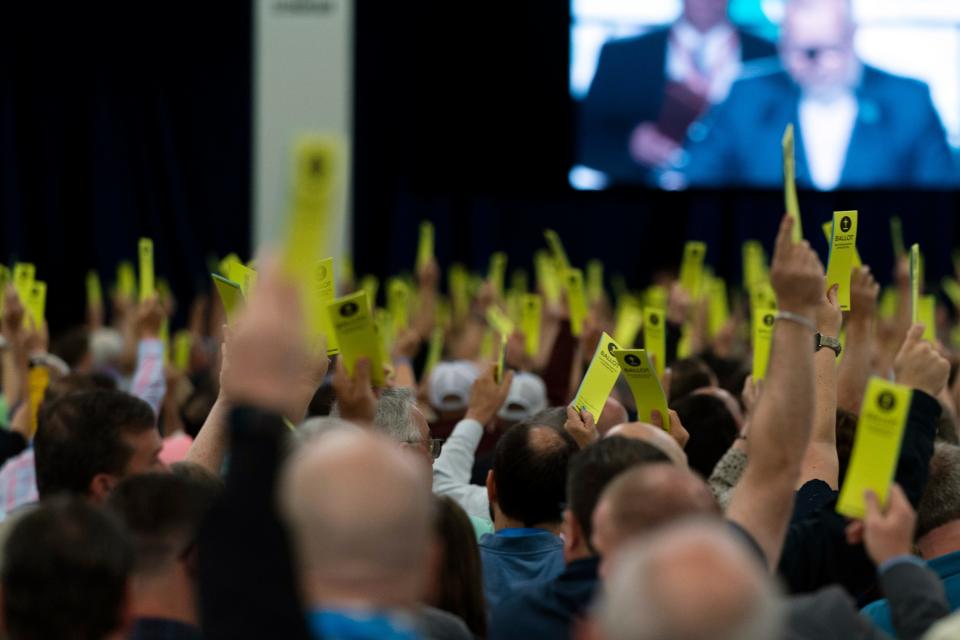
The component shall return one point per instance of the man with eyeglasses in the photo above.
(399, 418)
(858, 126)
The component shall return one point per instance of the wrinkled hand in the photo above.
(486, 396)
(864, 291)
(651, 148)
(581, 427)
(829, 316)
(355, 397)
(919, 365)
(267, 360)
(796, 273)
(886, 533)
(150, 316)
(677, 430)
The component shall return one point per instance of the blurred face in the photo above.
(705, 14)
(422, 447)
(817, 45)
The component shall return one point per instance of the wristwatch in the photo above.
(821, 341)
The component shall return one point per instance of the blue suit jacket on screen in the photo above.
(897, 140)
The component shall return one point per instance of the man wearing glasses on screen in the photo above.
(647, 90)
(858, 126)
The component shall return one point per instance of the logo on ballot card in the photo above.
(886, 401)
(769, 319)
(632, 360)
(349, 309)
(845, 224)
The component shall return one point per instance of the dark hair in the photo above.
(162, 512)
(554, 417)
(80, 435)
(459, 587)
(73, 383)
(687, 376)
(712, 430)
(530, 471)
(592, 468)
(197, 406)
(73, 346)
(65, 570)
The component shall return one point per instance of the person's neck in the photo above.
(169, 596)
(940, 541)
(704, 29)
(501, 521)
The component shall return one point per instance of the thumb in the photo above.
(572, 415)
(873, 505)
(832, 294)
(914, 335)
(588, 421)
(656, 418)
(362, 371)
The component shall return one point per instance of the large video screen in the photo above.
(682, 94)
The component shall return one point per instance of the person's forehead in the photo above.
(816, 22)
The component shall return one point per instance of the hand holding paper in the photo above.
(486, 396)
(581, 427)
(675, 428)
(886, 533)
(918, 364)
(355, 397)
(796, 273)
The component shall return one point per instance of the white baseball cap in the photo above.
(526, 398)
(450, 384)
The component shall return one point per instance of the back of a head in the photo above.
(393, 416)
(359, 510)
(65, 571)
(73, 347)
(940, 503)
(645, 498)
(81, 434)
(690, 581)
(530, 471)
(688, 375)
(592, 469)
(458, 587)
(712, 430)
(162, 512)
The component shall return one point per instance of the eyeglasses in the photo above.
(433, 445)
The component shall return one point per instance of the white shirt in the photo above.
(826, 125)
(715, 53)
(452, 470)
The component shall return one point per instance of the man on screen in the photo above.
(857, 126)
(648, 89)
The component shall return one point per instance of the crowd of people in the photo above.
(261, 489)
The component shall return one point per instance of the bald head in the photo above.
(613, 414)
(359, 510)
(645, 498)
(654, 436)
(689, 581)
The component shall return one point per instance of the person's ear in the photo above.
(491, 488)
(100, 487)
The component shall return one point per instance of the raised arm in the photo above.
(780, 430)
(149, 383)
(853, 370)
(820, 462)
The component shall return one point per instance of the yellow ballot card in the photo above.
(576, 299)
(225, 266)
(434, 351)
(927, 316)
(126, 280)
(547, 279)
(790, 183)
(876, 445)
(952, 288)
(383, 325)
(718, 311)
(147, 282)
(371, 285)
(644, 384)
(23, 274)
(556, 248)
(398, 303)
(828, 234)
(531, 311)
(425, 245)
(655, 337)
(497, 272)
(322, 292)
(457, 279)
(230, 295)
(763, 321)
(352, 320)
(519, 282)
(896, 236)
(500, 360)
(598, 382)
(36, 302)
(843, 246)
(915, 283)
(755, 268)
(37, 381)
(500, 322)
(243, 275)
(594, 280)
(628, 320)
(691, 268)
(182, 346)
(94, 290)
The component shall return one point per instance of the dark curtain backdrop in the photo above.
(117, 120)
(126, 119)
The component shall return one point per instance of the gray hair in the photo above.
(692, 566)
(940, 503)
(394, 415)
(317, 426)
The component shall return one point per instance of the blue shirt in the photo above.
(357, 625)
(514, 558)
(947, 567)
(547, 610)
